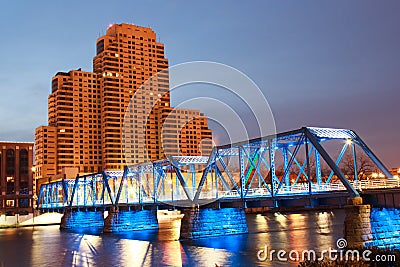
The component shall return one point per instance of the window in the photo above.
(100, 46)
(23, 163)
(24, 203)
(10, 203)
(10, 185)
(10, 159)
(23, 188)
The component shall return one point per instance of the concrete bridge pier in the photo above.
(130, 220)
(82, 218)
(357, 224)
(199, 223)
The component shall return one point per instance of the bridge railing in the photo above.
(376, 184)
(304, 188)
(299, 188)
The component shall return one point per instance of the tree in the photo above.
(365, 166)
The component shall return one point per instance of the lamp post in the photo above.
(34, 197)
(172, 189)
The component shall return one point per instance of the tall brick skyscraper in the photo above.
(86, 110)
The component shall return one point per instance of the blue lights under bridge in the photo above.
(296, 164)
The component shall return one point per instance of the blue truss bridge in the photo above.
(299, 167)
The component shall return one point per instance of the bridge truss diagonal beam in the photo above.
(331, 163)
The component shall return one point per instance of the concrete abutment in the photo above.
(73, 219)
(357, 225)
(199, 223)
(130, 220)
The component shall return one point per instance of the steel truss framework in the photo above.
(281, 165)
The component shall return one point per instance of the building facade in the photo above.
(116, 115)
(16, 178)
(395, 172)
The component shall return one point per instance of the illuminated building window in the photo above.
(10, 203)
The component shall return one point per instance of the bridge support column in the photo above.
(357, 225)
(198, 223)
(130, 220)
(73, 219)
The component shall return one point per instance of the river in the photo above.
(48, 246)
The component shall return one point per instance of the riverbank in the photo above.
(29, 220)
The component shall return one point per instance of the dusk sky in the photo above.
(318, 63)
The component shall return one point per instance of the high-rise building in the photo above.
(89, 126)
(16, 183)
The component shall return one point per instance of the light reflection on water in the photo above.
(48, 246)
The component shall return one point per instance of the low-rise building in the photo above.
(16, 178)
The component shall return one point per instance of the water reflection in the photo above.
(134, 253)
(48, 246)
